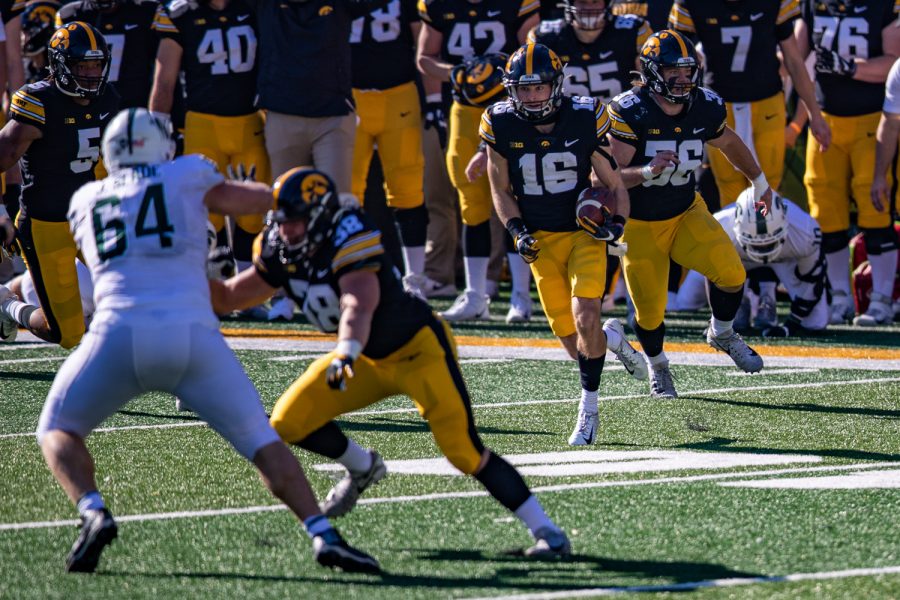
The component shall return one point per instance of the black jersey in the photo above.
(313, 285)
(219, 54)
(63, 159)
(601, 69)
(132, 43)
(471, 29)
(852, 28)
(637, 120)
(740, 42)
(655, 12)
(548, 170)
(383, 49)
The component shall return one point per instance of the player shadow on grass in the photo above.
(41, 376)
(723, 444)
(513, 572)
(802, 406)
(181, 416)
(421, 426)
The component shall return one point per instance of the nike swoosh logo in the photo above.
(698, 130)
(242, 18)
(767, 117)
(606, 54)
(629, 370)
(756, 17)
(103, 115)
(403, 114)
(494, 13)
(859, 9)
(6, 329)
(570, 142)
(130, 27)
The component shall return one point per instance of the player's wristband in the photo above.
(760, 185)
(619, 220)
(433, 98)
(647, 172)
(516, 227)
(797, 129)
(482, 146)
(348, 348)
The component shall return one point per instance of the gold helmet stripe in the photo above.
(276, 187)
(90, 34)
(529, 59)
(681, 44)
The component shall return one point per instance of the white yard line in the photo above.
(14, 361)
(389, 411)
(456, 495)
(706, 583)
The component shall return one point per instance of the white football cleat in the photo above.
(661, 383)
(282, 309)
(469, 306)
(549, 543)
(732, 344)
(841, 310)
(520, 307)
(414, 284)
(878, 313)
(631, 359)
(9, 329)
(585, 429)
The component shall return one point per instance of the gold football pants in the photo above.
(462, 142)
(230, 141)
(390, 119)
(570, 263)
(843, 171)
(694, 240)
(49, 251)
(425, 369)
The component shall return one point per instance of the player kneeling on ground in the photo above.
(537, 125)
(788, 241)
(330, 260)
(142, 231)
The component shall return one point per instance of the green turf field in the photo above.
(784, 484)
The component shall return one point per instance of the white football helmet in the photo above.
(761, 237)
(137, 137)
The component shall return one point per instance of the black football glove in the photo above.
(241, 173)
(339, 371)
(220, 263)
(829, 61)
(436, 118)
(527, 247)
(610, 232)
(789, 328)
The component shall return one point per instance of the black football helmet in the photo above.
(668, 48)
(588, 15)
(38, 23)
(480, 80)
(305, 193)
(532, 64)
(72, 44)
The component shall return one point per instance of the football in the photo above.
(593, 207)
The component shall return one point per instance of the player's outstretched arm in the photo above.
(239, 198)
(242, 291)
(739, 155)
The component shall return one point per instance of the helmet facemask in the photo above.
(588, 16)
(670, 88)
(761, 237)
(547, 107)
(79, 60)
(307, 195)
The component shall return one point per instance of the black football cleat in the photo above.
(332, 551)
(97, 530)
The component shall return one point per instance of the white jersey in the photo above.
(798, 267)
(142, 232)
(892, 90)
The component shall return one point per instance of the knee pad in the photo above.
(835, 241)
(880, 241)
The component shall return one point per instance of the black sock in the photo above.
(591, 369)
(328, 440)
(503, 482)
(477, 240)
(651, 339)
(724, 304)
(412, 224)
